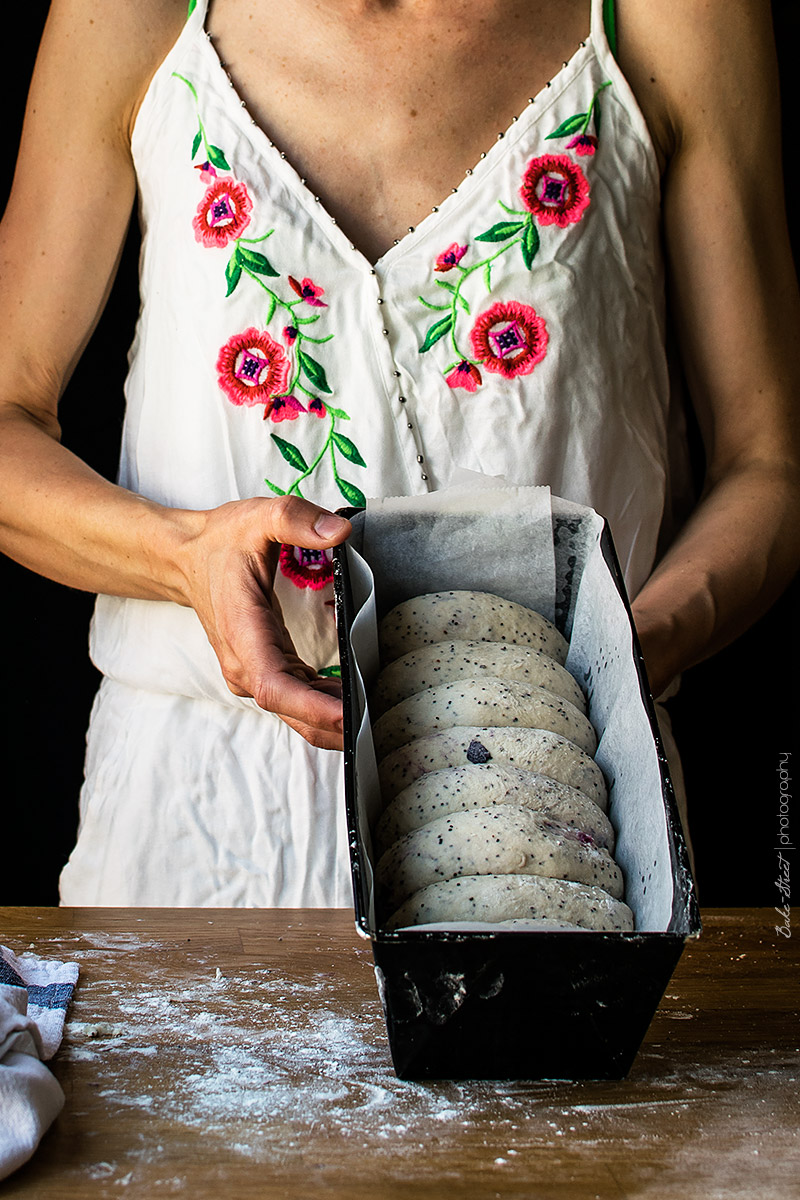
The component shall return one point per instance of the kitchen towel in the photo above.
(34, 995)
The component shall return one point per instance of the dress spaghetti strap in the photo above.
(610, 25)
(194, 4)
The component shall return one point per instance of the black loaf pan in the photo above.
(517, 1004)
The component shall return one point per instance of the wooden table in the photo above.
(237, 1053)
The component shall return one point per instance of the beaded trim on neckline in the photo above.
(537, 104)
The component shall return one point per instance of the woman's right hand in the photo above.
(229, 568)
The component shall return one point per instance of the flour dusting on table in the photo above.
(248, 1061)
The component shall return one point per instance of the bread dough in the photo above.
(495, 806)
(531, 749)
(503, 840)
(514, 897)
(489, 702)
(444, 662)
(529, 925)
(460, 789)
(475, 616)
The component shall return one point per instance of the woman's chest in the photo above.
(383, 108)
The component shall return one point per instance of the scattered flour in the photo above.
(257, 1060)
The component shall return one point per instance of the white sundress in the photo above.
(518, 330)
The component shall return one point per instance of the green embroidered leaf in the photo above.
(352, 494)
(290, 453)
(256, 262)
(255, 241)
(453, 290)
(278, 491)
(434, 307)
(198, 137)
(313, 371)
(571, 125)
(306, 320)
(273, 302)
(339, 413)
(514, 212)
(217, 158)
(436, 331)
(500, 232)
(348, 449)
(530, 244)
(233, 272)
(330, 672)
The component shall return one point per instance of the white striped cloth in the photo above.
(34, 995)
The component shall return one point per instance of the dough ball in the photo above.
(497, 898)
(445, 662)
(502, 840)
(460, 789)
(537, 750)
(487, 702)
(473, 616)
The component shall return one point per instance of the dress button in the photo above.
(402, 399)
(420, 458)
(423, 476)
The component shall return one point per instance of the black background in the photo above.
(734, 716)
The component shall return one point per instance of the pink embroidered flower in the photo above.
(465, 375)
(252, 368)
(555, 190)
(290, 335)
(450, 257)
(317, 407)
(308, 291)
(207, 173)
(284, 408)
(509, 339)
(583, 143)
(223, 213)
(306, 568)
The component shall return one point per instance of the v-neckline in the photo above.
(486, 163)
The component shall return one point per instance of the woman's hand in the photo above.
(229, 567)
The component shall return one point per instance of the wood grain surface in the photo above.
(243, 1053)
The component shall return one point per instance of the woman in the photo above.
(285, 230)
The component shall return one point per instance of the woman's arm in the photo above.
(705, 75)
(60, 242)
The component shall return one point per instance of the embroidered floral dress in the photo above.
(517, 331)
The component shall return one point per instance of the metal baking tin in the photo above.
(510, 1004)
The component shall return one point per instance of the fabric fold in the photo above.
(34, 995)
